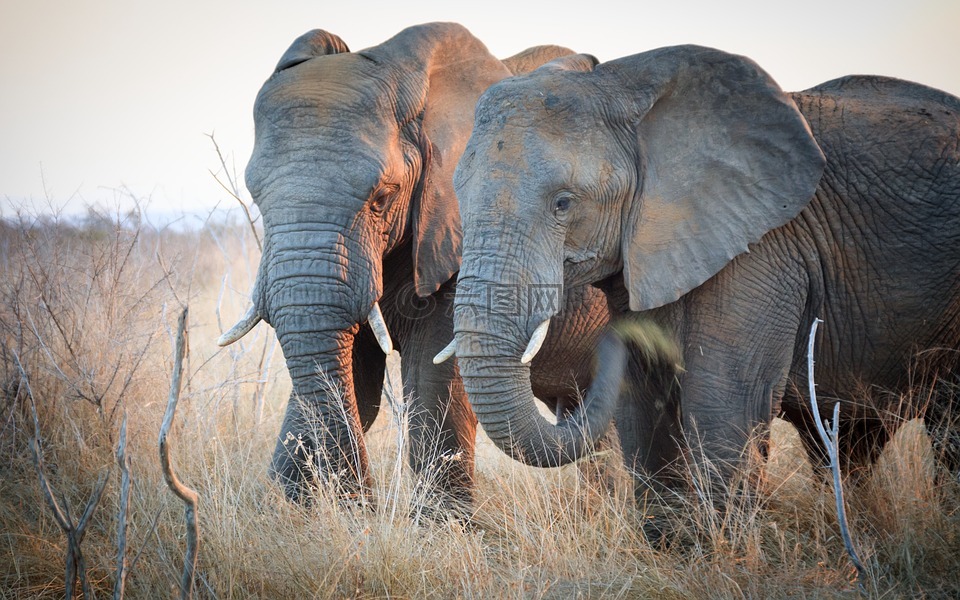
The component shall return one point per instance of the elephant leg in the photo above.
(442, 426)
(649, 426)
(722, 417)
(369, 363)
(742, 335)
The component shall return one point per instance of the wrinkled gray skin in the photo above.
(650, 176)
(352, 171)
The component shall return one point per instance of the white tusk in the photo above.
(444, 355)
(379, 328)
(242, 328)
(536, 340)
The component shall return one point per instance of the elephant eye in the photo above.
(382, 196)
(561, 205)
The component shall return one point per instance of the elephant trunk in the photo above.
(490, 347)
(316, 300)
(321, 436)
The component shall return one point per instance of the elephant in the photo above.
(352, 171)
(727, 214)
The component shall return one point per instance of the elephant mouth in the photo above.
(252, 317)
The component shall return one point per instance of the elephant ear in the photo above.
(316, 42)
(455, 68)
(573, 62)
(534, 57)
(724, 157)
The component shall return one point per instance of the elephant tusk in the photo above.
(536, 340)
(242, 328)
(379, 328)
(444, 355)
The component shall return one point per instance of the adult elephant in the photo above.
(730, 214)
(352, 170)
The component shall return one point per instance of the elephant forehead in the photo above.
(331, 89)
(322, 156)
(520, 152)
(537, 98)
(315, 106)
(533, 136)
(526, 119)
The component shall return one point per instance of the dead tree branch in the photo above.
(186, 494)
(234, 191)
(124, 460)
(830, 439)
(76, 567)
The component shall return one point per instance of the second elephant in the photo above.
(686, 184)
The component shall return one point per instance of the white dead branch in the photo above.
(124, 461)
(186, 494)
(830, 439)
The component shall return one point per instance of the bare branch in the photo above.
(830, 439)
(44, 484)
(80, 530)
(186, 494)
(75, 565)
(234, 190)
(216, 307)
(260, 392)
(124, 460)
(150, 531)
(167, 274)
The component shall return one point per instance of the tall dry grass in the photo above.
(88, 309)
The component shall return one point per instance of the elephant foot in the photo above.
(444, 479)
(443, 501)
(441, 508)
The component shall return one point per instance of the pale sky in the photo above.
(104, 95)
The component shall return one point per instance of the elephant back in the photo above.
(887, 90)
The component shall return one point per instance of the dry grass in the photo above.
(89, 313)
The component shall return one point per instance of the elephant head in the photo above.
(353, 163)
(658, 168)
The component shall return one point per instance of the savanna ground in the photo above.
(88, 312)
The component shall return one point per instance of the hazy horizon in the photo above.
(109, 102)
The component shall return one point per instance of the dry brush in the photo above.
(88, 310)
